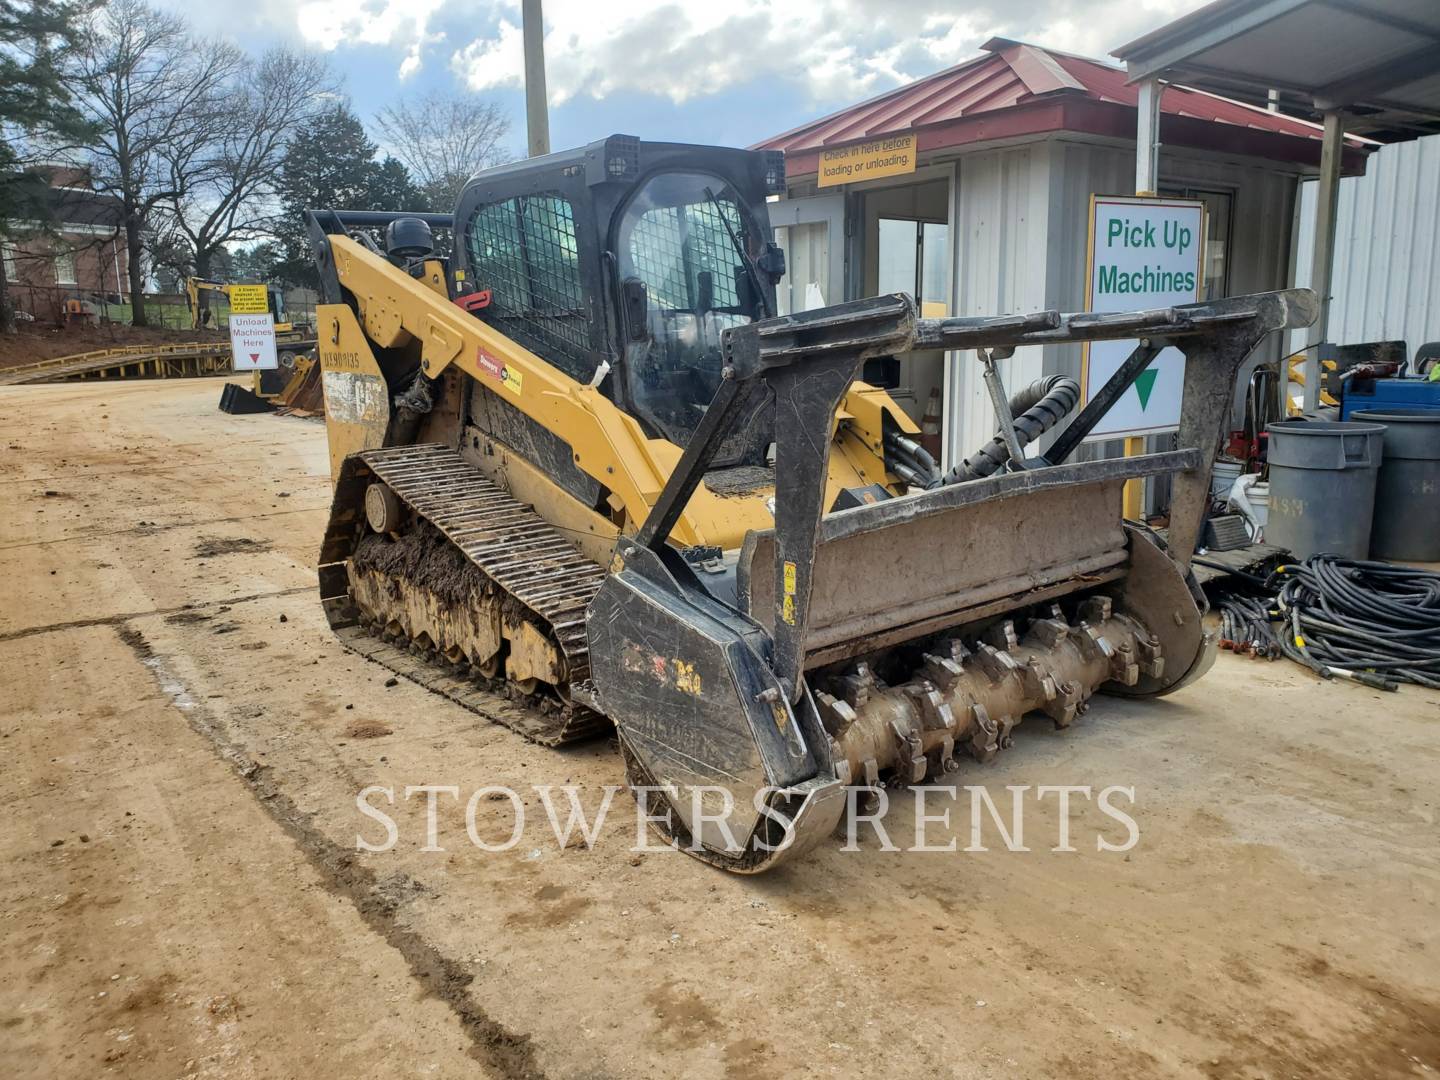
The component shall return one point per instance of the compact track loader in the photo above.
(579, 462)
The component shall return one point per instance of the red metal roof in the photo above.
(1018, 89)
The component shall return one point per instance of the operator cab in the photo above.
(622, 263)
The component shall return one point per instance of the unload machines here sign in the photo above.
(252, 342)
(1144, 253)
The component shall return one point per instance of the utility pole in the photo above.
(537, 116)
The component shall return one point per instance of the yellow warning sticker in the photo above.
(787, 604)
(248, 300)
(686, 678)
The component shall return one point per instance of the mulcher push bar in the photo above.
(808, 360)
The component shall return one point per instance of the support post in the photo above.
(1147, 138)
(1147, 182)
(537, 115)
(1322, 263)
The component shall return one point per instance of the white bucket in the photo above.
(1223, 477)
(1259, 496)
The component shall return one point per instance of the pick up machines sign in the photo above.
(1144, 253)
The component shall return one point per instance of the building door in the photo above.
(906, 229)
(811, 232)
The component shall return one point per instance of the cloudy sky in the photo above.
(725, 71)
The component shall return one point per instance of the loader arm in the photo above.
(393, 310)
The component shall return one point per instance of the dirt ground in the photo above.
(181, 892)
(33, 342)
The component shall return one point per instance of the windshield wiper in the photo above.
(745, 259)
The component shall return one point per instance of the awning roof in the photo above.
(1017, 89)
(1378, 61)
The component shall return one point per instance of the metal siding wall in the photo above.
(1021, 237)
(1081, 169)
(1000, 268)
(1386, 284)
(1260, 236)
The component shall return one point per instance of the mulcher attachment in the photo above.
(881, 642)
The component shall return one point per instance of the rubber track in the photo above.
(506, 540)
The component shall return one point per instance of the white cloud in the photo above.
(834, 49)
(330, 24)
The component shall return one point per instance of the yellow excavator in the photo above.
(290, 382)
(586, 479)
(202, 315)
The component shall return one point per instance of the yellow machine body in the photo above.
(398, 311)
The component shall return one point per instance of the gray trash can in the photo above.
(1322, 486)
(1407, 494)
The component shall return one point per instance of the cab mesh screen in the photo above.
(524, 250)
(670, 246)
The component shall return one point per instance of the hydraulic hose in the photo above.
(910, 461)
(1372, 622)
(1036, 409)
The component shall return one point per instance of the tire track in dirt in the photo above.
(124, 617)
(378, 902)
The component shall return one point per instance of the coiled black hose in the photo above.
(1369, 621)
(1036, 409)
(1366, 616)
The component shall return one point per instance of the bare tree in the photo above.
(156, 94)
(236, 198)
(444, 139)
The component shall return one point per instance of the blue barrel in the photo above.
(1407, 493)
(1322, 486)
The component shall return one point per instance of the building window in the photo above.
(914, 258)
(1218, 208)
(7, 252)
(65, 267)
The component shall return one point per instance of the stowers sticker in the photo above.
(496, 368)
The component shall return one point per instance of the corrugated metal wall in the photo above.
(1022, 244)
(1001, 247)
(1386, 284)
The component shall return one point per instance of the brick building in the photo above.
(82, 258)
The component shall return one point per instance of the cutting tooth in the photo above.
(942, 670)
(1096, 610)
(1063, 707)
(1038, 681)
(995, 664)
(1001, 635)
(984, 735)
(1047, 632)
(935, 714)
(835, 713)
(855, 685)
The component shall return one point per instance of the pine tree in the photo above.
(36, 113)
(331, 165)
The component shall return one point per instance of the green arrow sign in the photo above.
(1144, 384)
